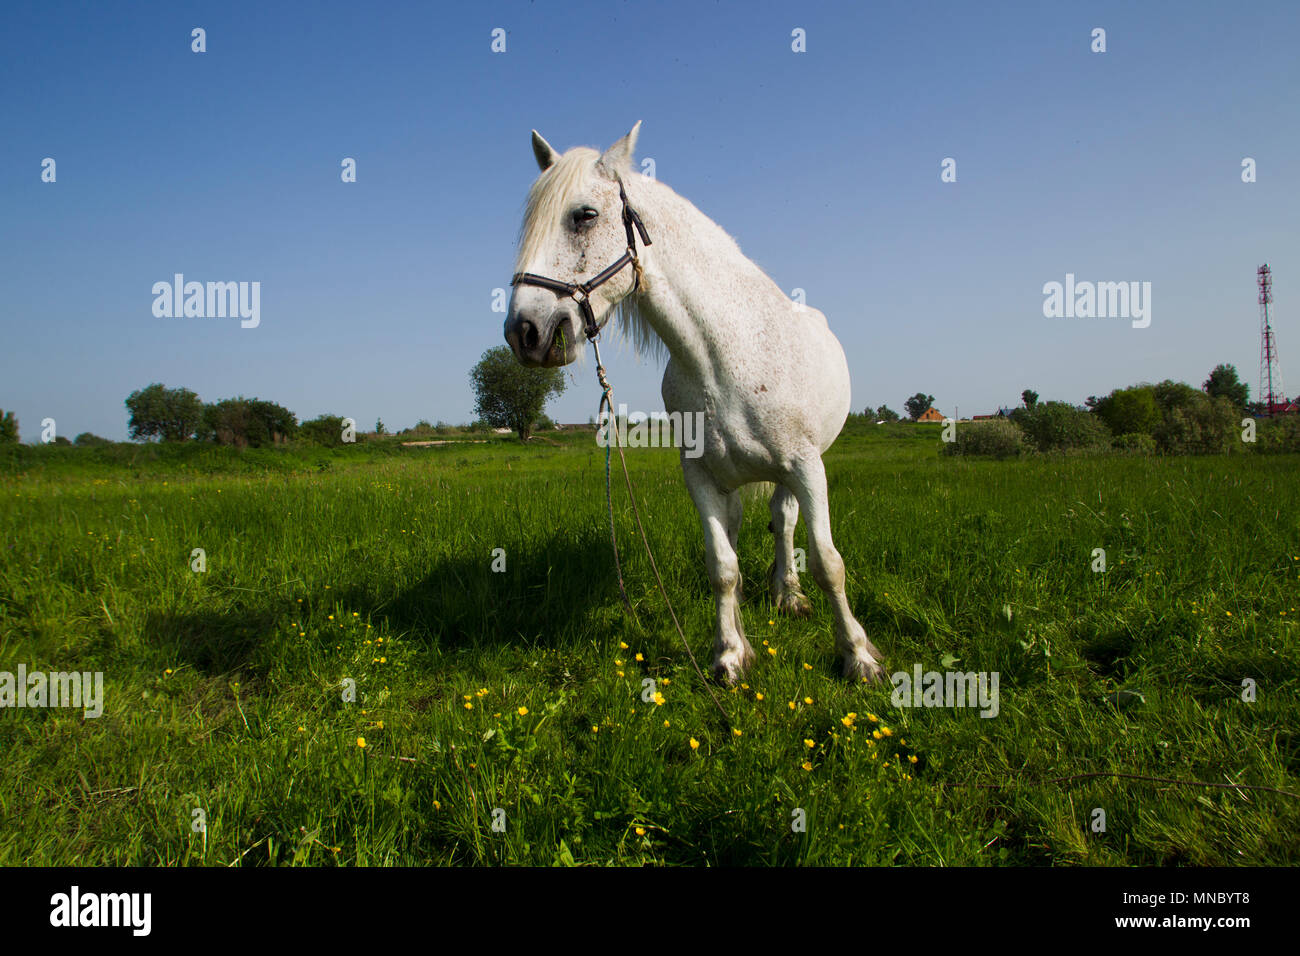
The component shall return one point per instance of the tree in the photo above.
(1223, 382)
(324, 430)
(170, 414)
(379, 427)
(1057, 426)
(510, 395)
(90, 438)
(1129, 411)
(250, 422)
(918, 405)
(8, 428)
(1203, 426)
(1029, 397)
(1171, 395)
(886, 414)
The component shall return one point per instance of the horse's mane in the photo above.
(547, 199)
(543, 216)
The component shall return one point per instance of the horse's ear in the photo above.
(546, 156)
(618, 157)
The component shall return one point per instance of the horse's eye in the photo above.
(585, 214)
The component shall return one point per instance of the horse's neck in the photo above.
(702, 293)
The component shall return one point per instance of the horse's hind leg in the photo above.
(735, 514)
(861, 658)
(720, 519)
(783, 575)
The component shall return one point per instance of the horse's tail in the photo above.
(757, 492)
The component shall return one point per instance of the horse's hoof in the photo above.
(731, 667)
(727, 673)
(794, 604)
(863, 668)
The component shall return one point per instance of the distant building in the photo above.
(930, 415)
(1000, 413)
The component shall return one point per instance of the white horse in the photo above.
(767, 373)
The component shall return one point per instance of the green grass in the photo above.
(224, 689)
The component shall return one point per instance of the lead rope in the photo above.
(607, 401)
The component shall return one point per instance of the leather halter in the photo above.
(581, 291)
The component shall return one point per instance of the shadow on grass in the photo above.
(532, 596)
(213, 642)
(551, 588)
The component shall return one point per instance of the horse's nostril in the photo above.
(529, 335)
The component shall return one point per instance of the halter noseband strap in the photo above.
(581, 291)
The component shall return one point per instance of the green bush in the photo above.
(247, 423)
(1171, 395)
(324, 430)
(996, 439)
(1129, 411)
(1056, 426)
(1134, 444)
(1277, 435)
(8, 428)
(1200, 426)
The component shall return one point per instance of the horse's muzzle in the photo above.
(544, 344)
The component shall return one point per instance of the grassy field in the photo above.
(515, 698)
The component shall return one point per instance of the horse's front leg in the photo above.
(720, 518)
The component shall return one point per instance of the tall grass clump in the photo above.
(993, 439)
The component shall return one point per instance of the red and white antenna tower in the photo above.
(1271, 396)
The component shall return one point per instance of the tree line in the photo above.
(1167, 417)
(1222, 382)
(511, 396)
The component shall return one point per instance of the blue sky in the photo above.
(825, 166)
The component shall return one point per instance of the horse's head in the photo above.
(573, 229)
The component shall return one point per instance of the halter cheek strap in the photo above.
(581, 292)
